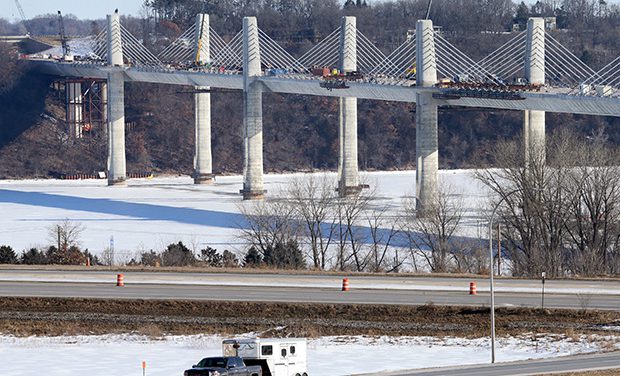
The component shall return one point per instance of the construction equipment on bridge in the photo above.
(334, 78)
(66, 51)
(23, 16)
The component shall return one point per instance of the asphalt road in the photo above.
(299, 294)
(523, 368)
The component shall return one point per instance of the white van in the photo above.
(276, 356)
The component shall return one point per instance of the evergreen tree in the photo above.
(523, 14)
(7, 255)
(229, 259)
(285, 256)
(210, 257)
(34, 257)
(178, 255)
(252, 258)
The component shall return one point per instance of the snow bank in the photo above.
(123, 354)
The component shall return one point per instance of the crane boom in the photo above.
(63, 37)
(22, 15)
(428, 9)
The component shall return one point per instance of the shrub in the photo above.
(68, 256)
(150, 258)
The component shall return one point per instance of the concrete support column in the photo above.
(348, 170)
(534, 121)
(252, 113)
(116, 104)
(115, 45)
(116, 128)
(427, 145)
(75, 117)
(203, 164)
(104, 106)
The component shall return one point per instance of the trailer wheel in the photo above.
(305, 374)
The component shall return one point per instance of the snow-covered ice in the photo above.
(122, 355)
(152, 213)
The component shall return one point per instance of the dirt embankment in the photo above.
(58, 316)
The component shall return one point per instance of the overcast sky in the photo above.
(84, 9)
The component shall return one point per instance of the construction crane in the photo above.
(428, 9)
(66, 51)
(23, 16)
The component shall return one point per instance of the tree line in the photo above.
(559, 211)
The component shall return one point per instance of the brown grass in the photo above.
(57, 316)
(609, 372)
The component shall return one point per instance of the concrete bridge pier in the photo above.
(534, 121)
(203, 163)
(117, 174)
(427, 145)
(253, 188)
(75, 115)
(348, 169)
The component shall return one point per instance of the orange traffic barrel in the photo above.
(120, 280)
(472, 288)
(345, 284)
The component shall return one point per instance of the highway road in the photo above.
(306, 289)
(523, 368)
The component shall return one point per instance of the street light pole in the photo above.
(491, 283)
(491, 267)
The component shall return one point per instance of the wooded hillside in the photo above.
(300, 132)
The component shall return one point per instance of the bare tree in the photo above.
(595, 219)
(383, 231)
(536, 199)
(269, 223)
(312, 199)
(350, 236)
(431, 235)
(65, 234)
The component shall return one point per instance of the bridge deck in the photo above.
(553, 100)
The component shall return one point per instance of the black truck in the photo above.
(223, 366)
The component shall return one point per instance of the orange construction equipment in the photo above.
(120, 280)
(472, 288)
(345, 284)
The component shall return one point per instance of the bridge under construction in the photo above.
(532, 73)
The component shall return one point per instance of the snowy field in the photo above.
(152, 213)
(122, 355)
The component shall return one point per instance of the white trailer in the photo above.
(276, 356)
